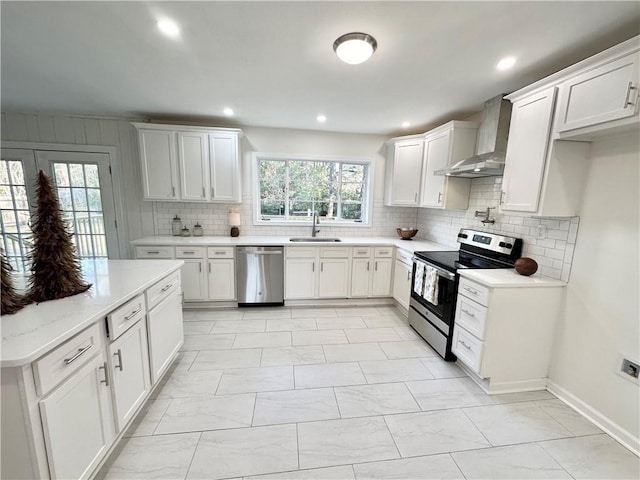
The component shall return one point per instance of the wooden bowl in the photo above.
(526, 266)
(406, 233)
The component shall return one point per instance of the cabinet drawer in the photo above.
(120, 320)
(190, 252)
(162, 289)
(383, 252)
(475, 291)
(154, 252)
(220, 252)
(334, 252)
(467, 348)
(361, 252)
(300, 252)
(404, 257)
(472, 316)
(58, 364)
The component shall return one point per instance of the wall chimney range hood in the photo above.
(491, 145)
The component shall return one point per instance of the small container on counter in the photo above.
(197, 230)
(185, 232)
(176, 226)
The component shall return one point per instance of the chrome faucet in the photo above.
(316, 221)
(486, 215)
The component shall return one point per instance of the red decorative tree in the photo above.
(55, 268)
(12, 301)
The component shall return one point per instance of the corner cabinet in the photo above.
(190, 164)
(403, 171)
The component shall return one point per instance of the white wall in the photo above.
(601, 317)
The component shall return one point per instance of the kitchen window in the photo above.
(291, 189)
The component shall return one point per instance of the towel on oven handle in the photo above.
(418, 280)
(430, 292)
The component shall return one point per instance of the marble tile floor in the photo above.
(345, 393)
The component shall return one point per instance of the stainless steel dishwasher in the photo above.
(260, 276)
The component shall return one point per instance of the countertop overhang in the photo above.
(508, 277)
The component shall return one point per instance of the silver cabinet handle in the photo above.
(415, 197)
(189, 252)
(467, 312)
(408, 275)
(368, 266)
(133, 314)
(375, 266)
(153, 252)
(173, 191)
(166, 287)
(313, 267)
(119, 355)
(626, 99)
(106, 375)
(471, 291)
(200, 267)
(203, 194)
(361, 252)
(219, 253)
(501, 197)
(209, 267)
(81, 351)
(439, 196)
(213, 193)
(465, 345)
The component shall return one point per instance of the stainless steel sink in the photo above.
(314, 239)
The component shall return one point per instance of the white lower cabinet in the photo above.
(300, 278)
(371, 272)
(222, 283)
(194, 280)
(312, 272)
(334, 278)
(381, 281)
(360, 277)
(164, 329)
(77, 421)
(402, 282)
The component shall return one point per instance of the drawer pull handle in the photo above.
(219, 253)
(467, 312)
(408, 275)
(361, 252)
(133, 313)
(119, 355)
(166, 287)
(153, 252)
(465, 345)
(106, 376)
(375, 266)
(471, 291)
(189, 253)
(68, 361)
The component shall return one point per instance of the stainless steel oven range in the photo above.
(435, 282)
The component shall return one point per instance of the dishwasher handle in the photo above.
(261, 250)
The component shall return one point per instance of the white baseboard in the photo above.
(626, 438)
(491, 387)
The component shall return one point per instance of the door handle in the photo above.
(81, 351)
(626, 99)
(119, 355)
(367, 266)
(106, 375)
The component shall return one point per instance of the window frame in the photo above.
(367, 198)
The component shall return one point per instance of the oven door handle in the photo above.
(441, 271)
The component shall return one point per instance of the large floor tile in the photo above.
(263, 379)
(268, 339)
(404, 370)
(407, 333)
(291, 324)
(384, 322)
(434, 432)
(370, 335)
(273, 357)
(368, 400)
(528, 461)
(340, 323)
(243, 452)
(433, 467)
(358, 312)
(441, 369)
(353, 352)
(339, 442)
(391, 311)
(328, 375)
(313, 312)
(208, 342)
(190, 384)
(184, 360)
(568, 418)
(448, 393)
(320, 337)
(265, 313)
(295, 406)
(522, 396)
(197, 328)
(157, 457)
(208, 315)
(594, 457)
(327, 473)
(147, 420)
(407, 349)
(220, 359)
(239, 326)
(515, 423)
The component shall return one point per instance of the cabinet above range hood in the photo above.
(491, 145)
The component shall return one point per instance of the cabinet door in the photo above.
(159, 164)
(164, 330)
(129, 358)
(436, 155)
(334, 278)
(381, 284)
(224, 167)
(77, 421)
(360, 277)
(407, 167)
(193, 159)
(222, 279)
(300, 278)
(603, 94)
(527, 151)
(402, 284)
(194, 280)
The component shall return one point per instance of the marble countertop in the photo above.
(38, 328)
(408, 245)
(507, 277)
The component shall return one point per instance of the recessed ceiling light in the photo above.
(506, 63)
(406, 124)
(355, 48)
(321, 118)
(169, 28)
(228, 112)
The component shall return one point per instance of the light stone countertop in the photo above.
(38, 328)
(408, 245)
(507, 277)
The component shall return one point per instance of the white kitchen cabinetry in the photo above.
(493, 323)
(402, 278)
(194, 273)
(312, 272)
(371, 273)
(335, 267)
(444, 146)
(206, 167)
(164, 328)
(403, 171)
(222, 273)
(300, 277)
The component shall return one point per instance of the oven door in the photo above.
(447, 287)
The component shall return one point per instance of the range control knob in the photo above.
(463, 235)
(505, 245)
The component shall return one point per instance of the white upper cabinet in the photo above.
(403, 172)
(603, 94)
(190, 164)
(444, 146)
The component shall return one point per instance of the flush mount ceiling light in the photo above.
(506, 63)
(228, 112)
(406, 124)
(169, 28)
(321, 118)
(355, 48)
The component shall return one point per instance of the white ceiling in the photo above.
(273, 62)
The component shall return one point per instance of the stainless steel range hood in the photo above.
(490, 146)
